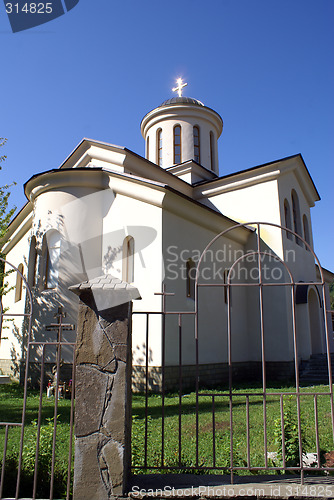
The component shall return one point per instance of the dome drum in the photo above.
(180, 130)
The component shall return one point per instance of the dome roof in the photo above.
(181, 100)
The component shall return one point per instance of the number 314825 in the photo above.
(29, 8)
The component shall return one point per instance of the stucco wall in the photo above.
(13, 328)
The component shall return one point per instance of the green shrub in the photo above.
(28, 465)
(291, 436)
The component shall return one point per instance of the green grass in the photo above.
(186, 457)
(11, 404)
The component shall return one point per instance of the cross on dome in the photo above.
(179, 87)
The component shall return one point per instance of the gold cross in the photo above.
(179, 87)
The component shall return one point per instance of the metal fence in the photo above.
(211, 429)
(31, 464)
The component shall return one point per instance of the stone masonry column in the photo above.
(103, 389)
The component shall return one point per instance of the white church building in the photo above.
(146, 221)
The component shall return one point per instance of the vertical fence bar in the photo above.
(163, 376)
(295, 346)
(24, 405)
(39, 421)
(197, 363)
(53, 461)
(146, 388)
(316, 423)
(213, 432)
(263, 356)
(282, 429)
(248, 431)
(230, 373)
(180, 389)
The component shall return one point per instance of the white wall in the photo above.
(259, 202)
(183, 239)
(18, 255)
(130, 217)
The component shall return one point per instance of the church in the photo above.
(152, 222)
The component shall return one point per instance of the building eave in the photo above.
(121, 183)
(260, 173)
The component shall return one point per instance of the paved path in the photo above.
(178, 486)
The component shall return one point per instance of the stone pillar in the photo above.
(102, 396)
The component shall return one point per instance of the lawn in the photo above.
(11, 403)
(179, 425)
(214, 452)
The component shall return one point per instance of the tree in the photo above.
(6, 215)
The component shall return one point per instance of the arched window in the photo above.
(50, 259)
(212, 152)
(197, 156)
(296, 215)
(128, 259)
(287, 218)
(19, 283)
(177, 144)
(148, 147)
(306, 231)
(32, 262)
(159, 147)
(191, 277)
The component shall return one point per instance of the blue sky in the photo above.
(266, 66)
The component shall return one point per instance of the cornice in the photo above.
(59, 179)
(176, 111)
(260, 174)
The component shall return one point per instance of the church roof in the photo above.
(182, 100)
(259, 167)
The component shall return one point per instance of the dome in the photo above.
(181, 100)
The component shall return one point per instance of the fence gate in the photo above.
(36, 449)
(235, 396)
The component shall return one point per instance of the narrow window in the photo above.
(177, 144)
(50, 259)
(148, 147)
(197, 156)
(212, 152)
(306, 232)
(191, 278)
(32, 262)
(296, 216)
(19, 283)
(287, 218)
(159, 147)
(128, 259)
